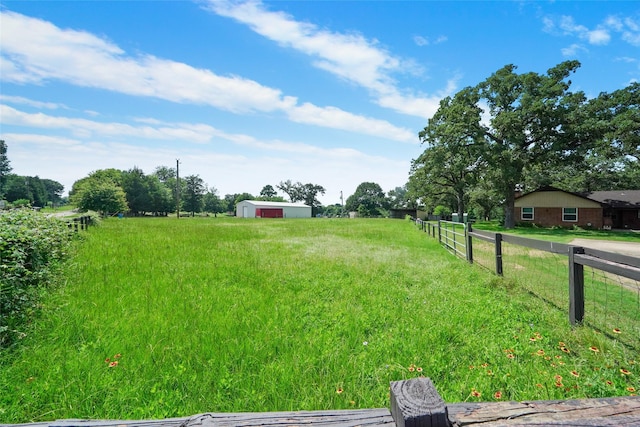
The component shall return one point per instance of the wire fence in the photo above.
(598, 289)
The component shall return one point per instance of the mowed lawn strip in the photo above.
(164, 317)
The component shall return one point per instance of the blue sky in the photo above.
(247, 94)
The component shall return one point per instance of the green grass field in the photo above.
(165, 317)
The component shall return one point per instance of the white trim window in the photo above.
(527, 214)
(570, 214)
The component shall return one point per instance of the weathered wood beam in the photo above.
(416, 403)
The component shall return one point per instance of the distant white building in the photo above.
(261, 209)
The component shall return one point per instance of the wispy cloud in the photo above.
(349, 56)
(426, 41)
(601, 35)
(35, 51)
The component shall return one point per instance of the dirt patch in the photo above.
(625, 248)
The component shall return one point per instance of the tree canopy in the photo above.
(368, 200)
(502, 133)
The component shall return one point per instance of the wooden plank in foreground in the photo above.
(337, 418)
(622, 411)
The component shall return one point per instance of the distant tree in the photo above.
(54, 190)
(16, 188)
(307, 193)
(242, 196)
(268, 192)
(137, 191)
(162, 200)
(401, 198)
(102, 196)
(193, 197)
(290, 189)
(368, 200)
(29, 188)
(5, 166)
(229, 202)
(212, 202)
(95, 178)
(165, 173)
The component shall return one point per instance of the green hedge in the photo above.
(32, 246)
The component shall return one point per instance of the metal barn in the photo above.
(261, 209)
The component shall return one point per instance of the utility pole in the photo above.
(178, 187)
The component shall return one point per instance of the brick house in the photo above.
(549, 206)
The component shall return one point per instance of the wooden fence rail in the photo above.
(79, 223)
(413, 403)
(578, 257)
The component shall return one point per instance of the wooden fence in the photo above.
(79, 223)
(413, 403)
(459, 238)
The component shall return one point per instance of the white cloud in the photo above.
(31, 102)
(311, 114)
(573, 50)
(349, 56)
(36, 51)
(425, 41)
(602, 34)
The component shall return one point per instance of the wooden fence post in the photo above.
(576, 287)
(499, 254)
(416, 403)
(439, 232)
(469, 230)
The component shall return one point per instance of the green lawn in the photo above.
(161, 317)
(562, 235)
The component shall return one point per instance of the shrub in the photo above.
(31, 248)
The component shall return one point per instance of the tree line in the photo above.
(518, 132)
(26, 190)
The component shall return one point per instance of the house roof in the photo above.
(616, 199)
(262, 203)
(550, 188)
(629, 199)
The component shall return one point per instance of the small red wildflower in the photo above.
(575, 373)
(419, 369)
(339, 390)
(559, 384)
(475, 393)
(617, 331)
(631, 389)
(113, 364)
(609, 382)
(497, 395)
(540, 352)
(594, 349)
(624, 371)
(511, 356)
(117, 356)
(539, 385)
(107, 360)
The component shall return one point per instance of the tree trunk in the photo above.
(460, 200)
(509, 210)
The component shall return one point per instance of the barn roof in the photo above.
(265, 204)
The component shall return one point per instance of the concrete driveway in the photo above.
(625, 248)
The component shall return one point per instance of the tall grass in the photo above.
(166, 317)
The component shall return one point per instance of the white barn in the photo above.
(261, 209)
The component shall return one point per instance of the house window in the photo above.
(527, 214)
(570, 214)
